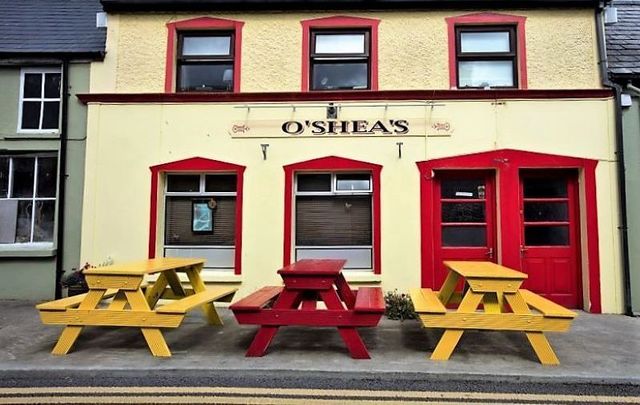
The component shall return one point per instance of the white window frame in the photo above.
(334, 192)
(200, 193)
(41, 99)
(33, 200)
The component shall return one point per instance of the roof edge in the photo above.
(114, 6)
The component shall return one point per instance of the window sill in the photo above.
(31, 135)
(356, 277)
(27, 251)
(209, 276)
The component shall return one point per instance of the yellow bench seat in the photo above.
(183, 305)
(425, 300)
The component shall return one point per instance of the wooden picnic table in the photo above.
(496, 287)
(306, 283)
(125, 282)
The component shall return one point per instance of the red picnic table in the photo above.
(307, 282)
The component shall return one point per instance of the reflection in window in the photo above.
(28, 188)
(205, 62)
(486, 57)
(40, 99)
(340, 60)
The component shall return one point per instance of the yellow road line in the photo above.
(318, 393)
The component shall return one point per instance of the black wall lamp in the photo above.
(399, 149)
(264, 147)
(332, 112)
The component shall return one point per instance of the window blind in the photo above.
(178, 223)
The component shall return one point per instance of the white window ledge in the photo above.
(361, 277)
(209, 276)
(27, 250)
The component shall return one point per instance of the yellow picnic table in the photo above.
(494, 286)
(124, 282)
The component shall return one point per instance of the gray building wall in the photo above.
(631, 127)
(29, 274)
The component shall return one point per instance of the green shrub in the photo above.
(398, 306)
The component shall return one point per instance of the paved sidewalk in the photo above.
(599, 348)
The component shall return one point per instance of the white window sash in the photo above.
(42, 71)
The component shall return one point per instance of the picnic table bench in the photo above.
(496, 287)
(306, 283)
(124, 283)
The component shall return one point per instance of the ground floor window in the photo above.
(200, 217)
(28, 188)
(334, 217)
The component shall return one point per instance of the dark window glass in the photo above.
(546, 211)
(183, 183)
(47, 171)
(458, 189)
(333, 221)
(51, 115)
(341, 76)
(4, 177)
(206, 77)
(205, 62)
(463, 212)
(340, 60)
(220, 183)
(23, 173)
(179, 222)
(52, 85)
(23, 225)
(44, 218)
(545, 188)
(32, 85)
(471, 236)
(486, 57)
(353, 182)
(314, 182)
(546, 235)
(30, 115)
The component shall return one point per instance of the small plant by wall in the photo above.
(398, 306)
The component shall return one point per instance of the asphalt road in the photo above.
(292, 387)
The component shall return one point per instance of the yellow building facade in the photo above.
(396, 176)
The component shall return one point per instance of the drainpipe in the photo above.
(622, 194)
(62, 176)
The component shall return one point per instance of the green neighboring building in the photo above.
(46, 48)
(623, 61)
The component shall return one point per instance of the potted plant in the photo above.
(75, 282)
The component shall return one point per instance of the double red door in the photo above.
(465, 223)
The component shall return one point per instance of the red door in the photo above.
(463, 219)
(549, 248)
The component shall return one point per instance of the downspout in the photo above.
(62, 177)
(622, 189)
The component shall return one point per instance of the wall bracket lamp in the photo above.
(264, 147)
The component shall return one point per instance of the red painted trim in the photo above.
(197, 165)
(488, 19)
(202, 23)
(364, 95)
(507, 163)
(332, 163)
(339, 22)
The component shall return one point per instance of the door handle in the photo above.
(489, 253)
(523, 250)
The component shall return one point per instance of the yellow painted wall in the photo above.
(413, 47)
(125, 140)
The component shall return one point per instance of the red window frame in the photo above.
(196, 165)
(507, 163)
(484, 20)
(201, 24)
(331, 164)
(339, 23)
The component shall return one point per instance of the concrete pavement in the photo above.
(599, 349)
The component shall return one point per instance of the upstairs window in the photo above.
(340, 60)
(486, 57)
(39, 109)
(205, 61)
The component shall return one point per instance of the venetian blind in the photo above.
(178, 224)
(333, 221)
